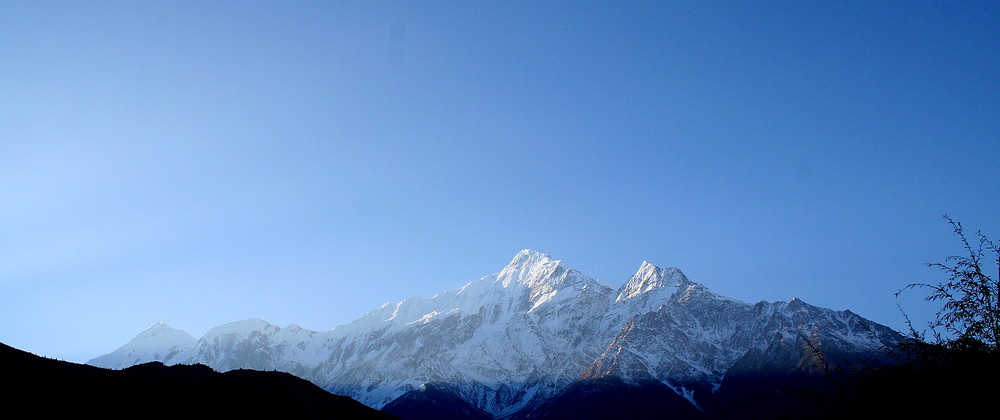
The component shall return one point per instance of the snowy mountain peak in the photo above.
(530, 268)
(242, 327)
(155, 329)
(531, 253)
(527, 258)
(650, 277)
(160, 333)
(158, 342)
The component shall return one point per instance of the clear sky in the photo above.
(303, 162)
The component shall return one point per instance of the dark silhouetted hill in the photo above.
(40, 387)
(610, 398)
(432, 402)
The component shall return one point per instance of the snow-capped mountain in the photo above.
(159, 342)
(508, 342)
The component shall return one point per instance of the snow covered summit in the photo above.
(158, 342)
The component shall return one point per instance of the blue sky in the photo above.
(302, 162)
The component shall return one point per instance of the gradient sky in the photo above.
(303, 162)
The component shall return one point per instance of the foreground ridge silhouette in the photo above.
(47, 388)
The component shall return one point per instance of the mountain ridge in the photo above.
(511, 341)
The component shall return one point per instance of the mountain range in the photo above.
(538, 339)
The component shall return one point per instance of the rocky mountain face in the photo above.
(511, 343)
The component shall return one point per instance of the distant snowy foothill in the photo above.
(508, 342)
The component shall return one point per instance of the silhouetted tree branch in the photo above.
(970, 315)
(940, 372)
